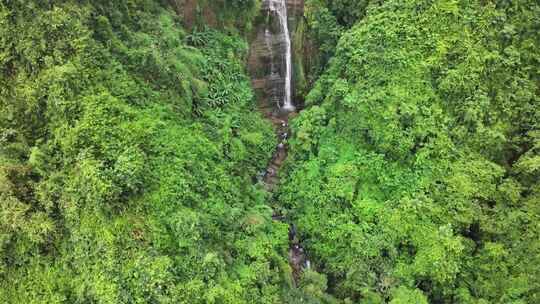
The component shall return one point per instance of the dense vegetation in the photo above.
(129, 139)
(415, 173)
(128, 146)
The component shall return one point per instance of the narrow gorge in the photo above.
(271, 66)
(269, 151)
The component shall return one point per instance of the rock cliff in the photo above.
(266, 61)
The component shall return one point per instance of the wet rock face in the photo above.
(268, 50)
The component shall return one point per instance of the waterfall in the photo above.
(279, 7)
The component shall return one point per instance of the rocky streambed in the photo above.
(297, 256)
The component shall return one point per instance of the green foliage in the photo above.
(326, 22)
(413, 174)
(403, 295)
(234, 15)
(128, 147)
(127, 154)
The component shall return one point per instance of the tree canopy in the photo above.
(130, 140)
(128, 146)
(412, 173)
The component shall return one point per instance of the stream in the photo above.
(271, 66)
(279, 109)
(297, 256)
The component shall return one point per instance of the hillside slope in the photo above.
(128, 147)
(413, 172)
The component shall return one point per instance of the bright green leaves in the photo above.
(309, 127)
(416, 158)
(437, 258)
(127, 160)
(403, 295)
(129, 170)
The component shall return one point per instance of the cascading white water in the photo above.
(279, 7)
(272, 51)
